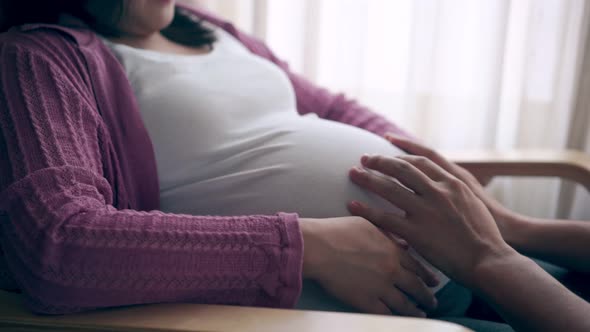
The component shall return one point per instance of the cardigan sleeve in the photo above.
(314, 99)
(69, 249)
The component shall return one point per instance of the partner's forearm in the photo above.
(562, 242)
(529, 298)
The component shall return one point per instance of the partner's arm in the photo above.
(527, 296)
(468, 245)
(562, 242)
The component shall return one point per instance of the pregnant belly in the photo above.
(301, 166)
(303, 170)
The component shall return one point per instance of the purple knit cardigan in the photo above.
(79, 192)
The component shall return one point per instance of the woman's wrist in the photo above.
(310, 253)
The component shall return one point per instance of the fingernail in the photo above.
(435, 280)
(404, 244)
(356, 204)
(359, 170)
(365, 158)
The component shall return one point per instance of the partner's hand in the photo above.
(505, 218)
(360, 265)
(444, 220)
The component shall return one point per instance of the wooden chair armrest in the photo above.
(568, 164)
(195, 317)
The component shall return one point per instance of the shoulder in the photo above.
(44, 36)
(57, 45)
(64, 50)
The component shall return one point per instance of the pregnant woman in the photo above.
(155, 154)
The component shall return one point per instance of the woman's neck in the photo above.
(155, 41)
(158, 42)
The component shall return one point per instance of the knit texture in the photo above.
(79, 193)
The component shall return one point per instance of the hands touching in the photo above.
(450, 221)
(505, 218)
(363, 267)
(444, 201)
(444, 219)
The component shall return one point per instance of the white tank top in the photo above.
(229, 141)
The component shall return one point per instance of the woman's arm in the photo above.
(466, 243)
(561, 242)
(70, 249)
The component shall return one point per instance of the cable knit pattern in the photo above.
(79, 192)
(71, 247)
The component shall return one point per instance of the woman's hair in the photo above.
(184, 29)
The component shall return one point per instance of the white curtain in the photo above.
(459, 74)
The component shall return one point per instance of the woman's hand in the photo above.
(444, 220)
(506, 219)
(360, 265)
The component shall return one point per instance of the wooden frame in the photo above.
(569, 164)
(196, 317)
